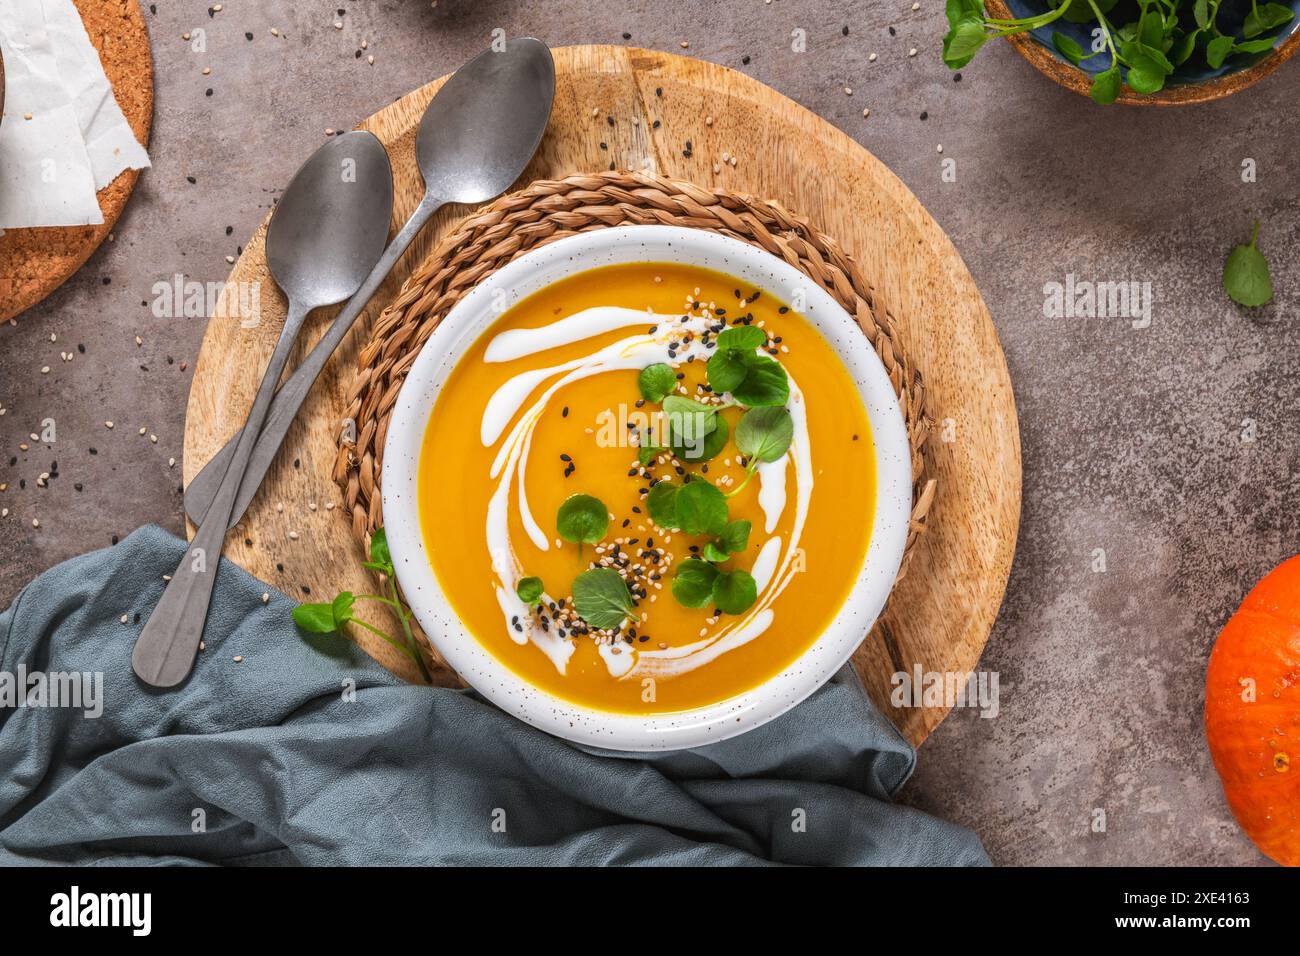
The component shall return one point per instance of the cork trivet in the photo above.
(35, 262)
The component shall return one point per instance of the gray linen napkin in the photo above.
(309, 752)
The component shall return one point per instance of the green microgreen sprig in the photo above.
(322, 618)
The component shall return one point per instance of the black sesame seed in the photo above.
(745, 60)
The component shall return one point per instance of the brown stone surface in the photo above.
(1132, 439)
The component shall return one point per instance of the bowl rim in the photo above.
(1183, 94)
(490, 676)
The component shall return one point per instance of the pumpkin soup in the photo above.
(645, 489)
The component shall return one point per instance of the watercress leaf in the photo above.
(1245, 276)
(1275, 14)
(726, 370)
(1217, 50)
(1265, 17)
(662, 502)
(315, 618)
(1255, 46)
(647, 452)
(1105, 86)
(529, 589)
(379, 549)
(701, 508)
(1201, 11)
(765, 383)
(715, 553)
(735, 536)
(957, 10)
(963, 42)
(656, 381)
(765, 433)
(744, 338)
(1068, 47)
(602, 598)
(341, 608)
(1151, 28)
(734, 592)
(693, 582)
(582, 519)
(1183, 48)
(713, 443)
(689, 418)
(1145, 75)
(1157, 55)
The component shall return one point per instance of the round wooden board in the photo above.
(35, 262)
(940, 615)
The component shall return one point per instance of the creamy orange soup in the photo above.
(547, 404)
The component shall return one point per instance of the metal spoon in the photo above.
(327, 231)
(475, 138)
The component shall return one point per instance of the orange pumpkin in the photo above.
(1252, 713)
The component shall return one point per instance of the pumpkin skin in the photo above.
(1256, 744)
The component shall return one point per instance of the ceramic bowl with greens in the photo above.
(1140, 52)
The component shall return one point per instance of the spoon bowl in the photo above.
(475, 139)
(330, 225)
(489, 114)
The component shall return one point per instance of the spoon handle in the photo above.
(202, 490)
(164, 651)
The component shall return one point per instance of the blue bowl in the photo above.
(1193, 82)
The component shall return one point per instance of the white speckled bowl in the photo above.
(704, 725)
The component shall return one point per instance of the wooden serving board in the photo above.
(940, 615)
(35, 262)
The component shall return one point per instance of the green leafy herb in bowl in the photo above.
(1133, 51)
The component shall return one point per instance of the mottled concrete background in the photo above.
(1135, 440)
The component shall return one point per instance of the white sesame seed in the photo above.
(912, 52)
(872, 58)
(35, 523)
(108, 424)
(124, 618)
(371, 59)
(293, 535)
(266, 597)
(239, 658)
(275, 32)
(939, 148)
(206, 70)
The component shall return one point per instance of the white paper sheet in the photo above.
(78, 139)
